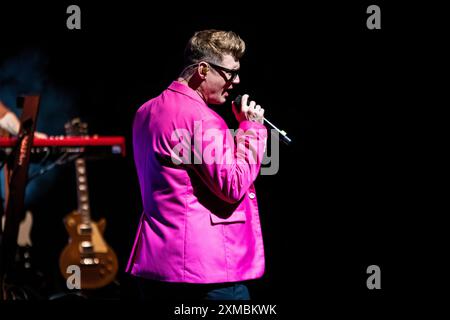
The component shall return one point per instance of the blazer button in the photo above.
(251, 195)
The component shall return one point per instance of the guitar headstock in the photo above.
(76, 127)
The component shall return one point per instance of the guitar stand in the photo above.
(15, 198)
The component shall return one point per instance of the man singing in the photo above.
(199, 236)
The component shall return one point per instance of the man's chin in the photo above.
(222, 99)
(217, 103)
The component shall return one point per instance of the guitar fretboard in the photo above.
(82, 191)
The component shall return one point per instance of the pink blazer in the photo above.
(200, 222)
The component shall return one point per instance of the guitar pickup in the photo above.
(84, 229)
(86, 247)
(89, 261)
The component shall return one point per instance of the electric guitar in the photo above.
(23, 254)
(23, 237)
(87, 247)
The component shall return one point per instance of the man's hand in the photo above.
(11, 123)
(248, 111)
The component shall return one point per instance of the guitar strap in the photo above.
(15, 212)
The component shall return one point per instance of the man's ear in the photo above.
(203, 68)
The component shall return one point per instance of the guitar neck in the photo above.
(82, 190)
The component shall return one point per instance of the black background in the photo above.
(345, 196)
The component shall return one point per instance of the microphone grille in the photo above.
(237, 101)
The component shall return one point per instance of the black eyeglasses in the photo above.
(233, 73)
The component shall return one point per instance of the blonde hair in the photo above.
(211, 45)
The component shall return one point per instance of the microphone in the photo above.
(283, 135)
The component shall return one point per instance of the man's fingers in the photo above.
(244, 100)
(249, 109)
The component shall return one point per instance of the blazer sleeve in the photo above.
(228, 164)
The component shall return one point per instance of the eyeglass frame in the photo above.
(234, 73)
